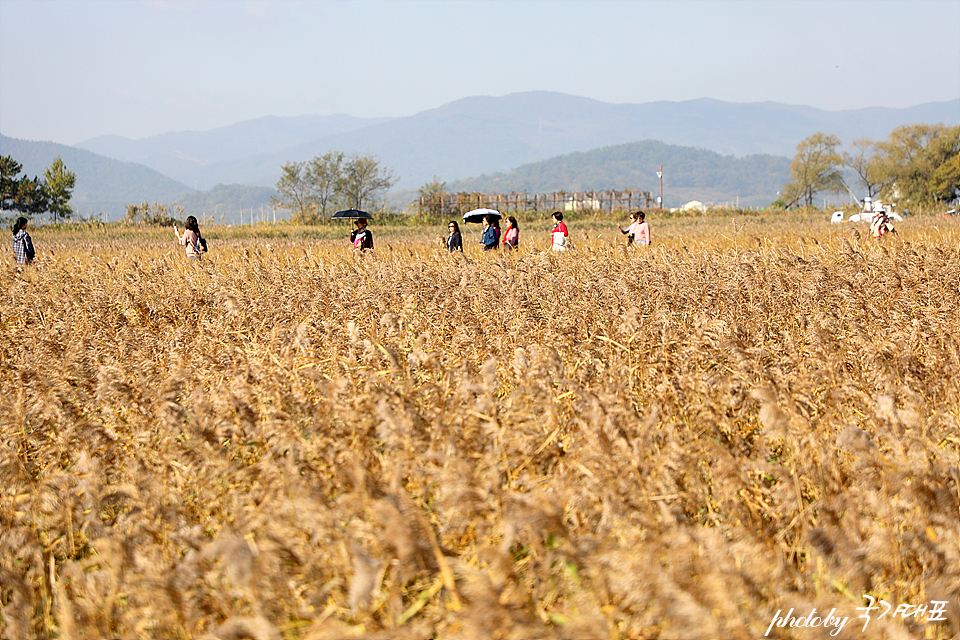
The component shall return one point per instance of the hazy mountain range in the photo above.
(485, 134)
(461, 141)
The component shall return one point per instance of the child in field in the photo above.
(559, 232)
(361, 237)
(22, 244)
(642, 237)
(192, 241)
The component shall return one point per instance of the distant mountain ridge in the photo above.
(523, 141)
(484, 134)
(183, 154)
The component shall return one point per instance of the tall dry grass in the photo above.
(290, 441)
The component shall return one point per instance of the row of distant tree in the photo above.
(917, 166)
(35, 195)
(634, 164)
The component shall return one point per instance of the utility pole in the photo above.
(660, 176)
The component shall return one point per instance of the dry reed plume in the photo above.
(289, 441)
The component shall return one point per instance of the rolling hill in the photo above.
(185, 155)
(104, 185)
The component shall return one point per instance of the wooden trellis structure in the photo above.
(447, 204)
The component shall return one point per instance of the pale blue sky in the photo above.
(71, 70)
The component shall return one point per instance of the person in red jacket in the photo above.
(559, 232)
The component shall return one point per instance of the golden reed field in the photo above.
(739, 432)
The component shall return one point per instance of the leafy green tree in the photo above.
(815, 168)
(59, 188)
(9, 170)
(869, 166)
(157, 216)
(324, 178)
(21, 194)
(913, 155)
(293, 191)
(431, 195)
(945, 182)
(364, 178)
(311, 189)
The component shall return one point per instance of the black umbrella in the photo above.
(477, 215)
(352, 214)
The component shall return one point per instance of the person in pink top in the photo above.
(632, 230)
(638, 233)
(643, 237)
(191, 238)
(511, 237)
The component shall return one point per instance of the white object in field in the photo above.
(559, 241)
(836, 217)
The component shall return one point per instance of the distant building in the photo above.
(579, 202)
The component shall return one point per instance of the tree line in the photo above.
(314, 189)
(917, 166)
(35, 196)
(635, 163)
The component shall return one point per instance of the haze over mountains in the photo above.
(484, 134)
(460, 141)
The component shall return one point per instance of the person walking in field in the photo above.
(489, 238)
(642, 237)
(191, 239)
(511, 238)
(23, 250)
(361, 237)
(632, 230)
(454, 240)
(559, 233)
(881, 224)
